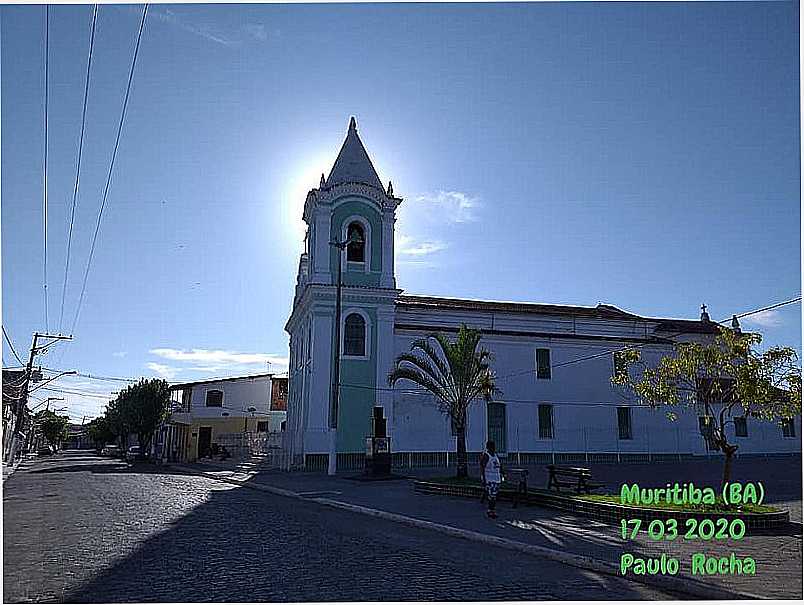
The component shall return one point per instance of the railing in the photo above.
(243, 445)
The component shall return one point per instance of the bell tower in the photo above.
(349, 253)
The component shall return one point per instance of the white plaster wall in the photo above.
(238, 395)
(584, 401)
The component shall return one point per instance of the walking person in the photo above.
(491, 473)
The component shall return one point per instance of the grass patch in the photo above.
(718, 507)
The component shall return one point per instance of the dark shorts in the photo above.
(492, 488)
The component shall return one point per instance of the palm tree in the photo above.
(456, 373)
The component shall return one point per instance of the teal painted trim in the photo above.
(355, 404)
(366, 210)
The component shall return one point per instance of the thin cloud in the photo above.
(164, 371)
(249, 31)
(408, 246)
(217, 357)
(766, 319)
(216, 362)
(453, 206)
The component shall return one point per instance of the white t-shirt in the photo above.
(493, 468)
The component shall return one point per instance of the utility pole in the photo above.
(22, 402)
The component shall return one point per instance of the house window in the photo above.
(740, 426)
(214, 399)
(262, 426)
(624, 423)
(788, 427)
(706, 424)
(356, 249)
(354, 341)
(543, 364)
(545, 421)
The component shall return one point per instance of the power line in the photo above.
(78, 165)
(781, 304)
(96, 377)
(11, 346)
(111, 168)
(44, 200)
(70, 392)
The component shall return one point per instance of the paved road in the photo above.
(83, 529)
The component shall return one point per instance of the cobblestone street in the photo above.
(83, 529)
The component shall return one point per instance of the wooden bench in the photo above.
(571, 477)
(519, 477)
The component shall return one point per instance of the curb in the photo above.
(609, 512)
(679, 583)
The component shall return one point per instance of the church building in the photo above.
(553, 362)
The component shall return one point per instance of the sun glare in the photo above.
(299, 182)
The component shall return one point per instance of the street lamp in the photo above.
(336, 373)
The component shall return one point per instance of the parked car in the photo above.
(111, 450)
(136, 453)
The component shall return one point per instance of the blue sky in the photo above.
(643, 155)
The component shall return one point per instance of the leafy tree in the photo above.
(117, 422)
(140, 407)
(100, 431)
(724, 378)
(52, 426)
(456, 373)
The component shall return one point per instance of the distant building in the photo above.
(279, 394)
(77, 438)
(208, 413)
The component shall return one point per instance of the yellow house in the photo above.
(230, 412)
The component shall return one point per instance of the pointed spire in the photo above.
(390, 189)
(353, 164)
(322, 184)
(704, 314)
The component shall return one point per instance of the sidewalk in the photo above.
(778, 556)
(10, 469)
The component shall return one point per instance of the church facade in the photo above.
(553, 362)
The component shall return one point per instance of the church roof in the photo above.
(601, 311)
(353, 164)
(468, 304)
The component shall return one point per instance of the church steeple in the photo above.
(353, 164)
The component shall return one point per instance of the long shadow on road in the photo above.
(237, 544)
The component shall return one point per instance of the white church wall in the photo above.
(584, 406)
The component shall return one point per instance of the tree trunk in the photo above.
(463, 467)
(728, 451)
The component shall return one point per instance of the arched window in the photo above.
(356, 250)
(214, 398)
(354, 338)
